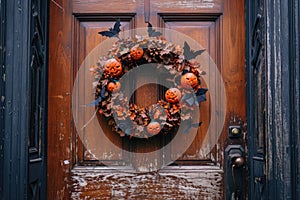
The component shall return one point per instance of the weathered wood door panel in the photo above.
(73, 171)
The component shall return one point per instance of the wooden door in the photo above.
(73, 171)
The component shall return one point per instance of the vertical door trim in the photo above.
(16, 100)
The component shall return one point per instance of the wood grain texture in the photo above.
(222, 23)
(113, 6)
(87, 38)
(256, 100)
(280, 43)
(198, 6)
(93, 183)
(15, 100)
(59, 112)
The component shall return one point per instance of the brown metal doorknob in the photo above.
(238, 162)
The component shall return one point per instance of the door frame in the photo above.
(273, 45)
(281, 177)
(19, 28)
(59, 91)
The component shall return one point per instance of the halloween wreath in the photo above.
(168, 113)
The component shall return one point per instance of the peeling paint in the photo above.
(185, 184)
(194, 4)
(58, 96)
(66, 162)
(81, 181)
(58, 5)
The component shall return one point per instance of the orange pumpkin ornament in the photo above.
(153, 128)
(113, 67)
(173, 95)
(113, 86)
(136, 53)
(189, 80)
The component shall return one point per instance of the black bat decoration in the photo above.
(97, 101)
(113, 32)
(152, 32)
(201, 95)
(190, 54)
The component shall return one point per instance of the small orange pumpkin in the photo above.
(136, 53)
(189, 80)
(113, 67)
(113, 86)
(153, 128)
(173, 95)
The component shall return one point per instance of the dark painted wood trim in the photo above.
(256, 97)
(16, 100)
(38, 84)
(294, 59)
(282, 63)
(282, 128)
(18, 28)
(2, 87)
(278, 167)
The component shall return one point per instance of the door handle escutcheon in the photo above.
(235, 172)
